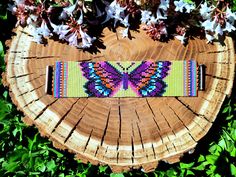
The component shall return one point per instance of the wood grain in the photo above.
(124, 133)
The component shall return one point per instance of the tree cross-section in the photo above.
(124, 133)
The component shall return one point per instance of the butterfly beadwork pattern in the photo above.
(125, 79)
(104, 80)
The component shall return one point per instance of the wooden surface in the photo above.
(121, 132)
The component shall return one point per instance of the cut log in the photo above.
(124, 133)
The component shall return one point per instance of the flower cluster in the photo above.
(122, 11)
(161, 20)
(216, 20)
(154, 25)
(38, 15)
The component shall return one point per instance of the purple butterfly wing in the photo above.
(147, 79)
(103, 79)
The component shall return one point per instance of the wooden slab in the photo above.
(124, 133)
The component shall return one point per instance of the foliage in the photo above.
(234, 5)
(23, 152)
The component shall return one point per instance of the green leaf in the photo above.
(200, 167)
(5, 94)
(5, 110)
(211, 170)
(215, 149)
(102, 169)
(186, 165)
(171, 173)
(211, 159)
(3, 11)
(222, 143)
(31, 142)
(117, 175)
(216, 175)
(34, 173)
(20, 173)
(61, 175)
(189, 172)
(2, 62)
(51, 165)
(233, 169)
(201, 158)
(226, 109)
(10, 166)
(1, 50)
(60, 155)
(42, 168)
(229, 117)
(188, 1)
(16, 155)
